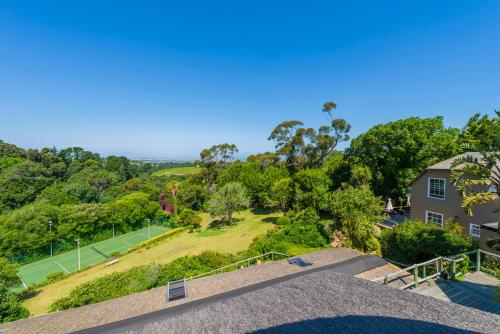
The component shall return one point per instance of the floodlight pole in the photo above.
(113, 222)
(78, 245)
(149, 227)
(50, 231)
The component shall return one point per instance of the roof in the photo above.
(319, 302)
(446, 164)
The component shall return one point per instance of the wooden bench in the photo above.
(110, 263)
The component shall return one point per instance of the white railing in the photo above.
(245, 261)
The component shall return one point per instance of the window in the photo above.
(436, 188)
(475, 230)
(433, 217)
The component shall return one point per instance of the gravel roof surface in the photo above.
(324, 302)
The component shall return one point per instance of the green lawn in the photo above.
(36, 272)
(179, 171)
(227, 239)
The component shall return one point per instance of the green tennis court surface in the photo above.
(37, 272)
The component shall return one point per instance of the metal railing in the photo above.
(241, 262)
(419, 271)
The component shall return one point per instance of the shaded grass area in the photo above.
(177, 171)
(226, 239)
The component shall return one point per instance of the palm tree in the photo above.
(173, 187)
(477, 178)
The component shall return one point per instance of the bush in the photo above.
(115, 254)
(283, 220)
(141, 278)
(10, 306)
(414, 241)
(54, 275)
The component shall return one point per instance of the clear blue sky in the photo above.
(166, 79)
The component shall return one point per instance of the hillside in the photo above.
(227, 239)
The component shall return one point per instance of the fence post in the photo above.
(386, 280)
(272, 257)
(453, 269)
(415, 275)
(478, 260)
(424, 271)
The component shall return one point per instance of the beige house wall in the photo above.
(450, 206)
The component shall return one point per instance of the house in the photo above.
(434, 199)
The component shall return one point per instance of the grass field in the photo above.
(90, 255)
(177, 171)
(228, 239)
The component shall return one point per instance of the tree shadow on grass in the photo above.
(362, 325)
(221, 223)
(270, 220)
(261, 211)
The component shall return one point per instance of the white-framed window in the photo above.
(475, 230)
(436, 188)
(434, 217)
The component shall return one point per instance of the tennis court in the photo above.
(37, 272)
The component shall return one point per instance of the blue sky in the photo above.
(167, 79)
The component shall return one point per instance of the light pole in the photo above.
(50, 231)
(78, 245)
(149, 227)
(113, 221)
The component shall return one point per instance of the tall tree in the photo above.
(396, 152)
(230, 198)
(215, 159)
(304, 148)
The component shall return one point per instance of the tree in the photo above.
(8, 273)
(192, 196)
(356, 211)
(173, 187)
(311, 189)
(477, 178)
(266, 159)
(282, 194)
(10, 307)
(396, 152)
(215, 159)
(249, 174)
(10, 150)
(21, 183)
(482, 131)
(306, 147)
(120, 166)
(230, 198)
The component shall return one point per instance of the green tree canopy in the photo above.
(396, 152)
(356, 211)
(8, 273)
(306, 147)
(230, 198)
(10, 307)
(311, 189)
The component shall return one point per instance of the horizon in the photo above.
(182, 78)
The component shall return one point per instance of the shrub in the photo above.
(54, 275)
(283, 220)
(10, 306)
(115, 254)
(141, 278)
(414, 241)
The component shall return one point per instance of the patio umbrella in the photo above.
(389, 207)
